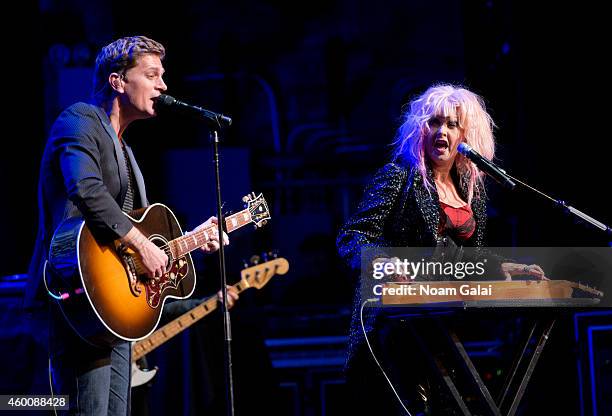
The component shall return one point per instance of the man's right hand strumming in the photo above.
(153, 258)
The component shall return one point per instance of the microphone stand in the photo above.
(227, 325)
(568, 208)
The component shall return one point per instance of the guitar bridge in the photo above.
(131, 270)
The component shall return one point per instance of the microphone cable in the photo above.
(365, 334)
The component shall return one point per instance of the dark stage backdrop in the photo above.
(316, 91)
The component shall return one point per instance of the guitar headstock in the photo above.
(259, 275)
(258, 208)
(588, 289)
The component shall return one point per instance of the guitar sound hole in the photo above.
(162, 243)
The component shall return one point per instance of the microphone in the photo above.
(215, 120)
(486, 166)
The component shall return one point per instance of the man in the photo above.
(89, 170)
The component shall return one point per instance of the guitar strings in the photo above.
(168, 250)
(200, 233)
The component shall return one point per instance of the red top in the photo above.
(458, 223)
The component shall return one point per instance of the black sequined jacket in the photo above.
(397, 210)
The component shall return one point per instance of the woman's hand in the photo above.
(513, 269)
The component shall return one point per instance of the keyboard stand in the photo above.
(450, 360)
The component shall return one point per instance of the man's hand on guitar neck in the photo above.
(213, 242)
(153, 258)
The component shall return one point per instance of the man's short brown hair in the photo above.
(119, 56)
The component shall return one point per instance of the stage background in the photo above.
(316, 91)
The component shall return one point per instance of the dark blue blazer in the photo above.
(83, 173)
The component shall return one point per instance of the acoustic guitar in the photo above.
(102, 289)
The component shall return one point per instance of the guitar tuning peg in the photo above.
(273, 254)
(264, 256)
(255, 259)
(245, 264)
(245, 199)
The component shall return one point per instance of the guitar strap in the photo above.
(128, 201)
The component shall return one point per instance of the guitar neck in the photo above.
(157, 338)
(187, 243)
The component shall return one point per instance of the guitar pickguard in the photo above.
(155, 287)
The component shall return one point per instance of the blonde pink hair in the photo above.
(474, 121)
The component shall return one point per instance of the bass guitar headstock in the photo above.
(260, 274)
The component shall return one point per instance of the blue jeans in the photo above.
(97, 380)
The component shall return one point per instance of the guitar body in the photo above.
(141, 376)
(100, 288)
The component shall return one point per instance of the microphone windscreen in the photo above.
(165, 100)
(464, 148)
